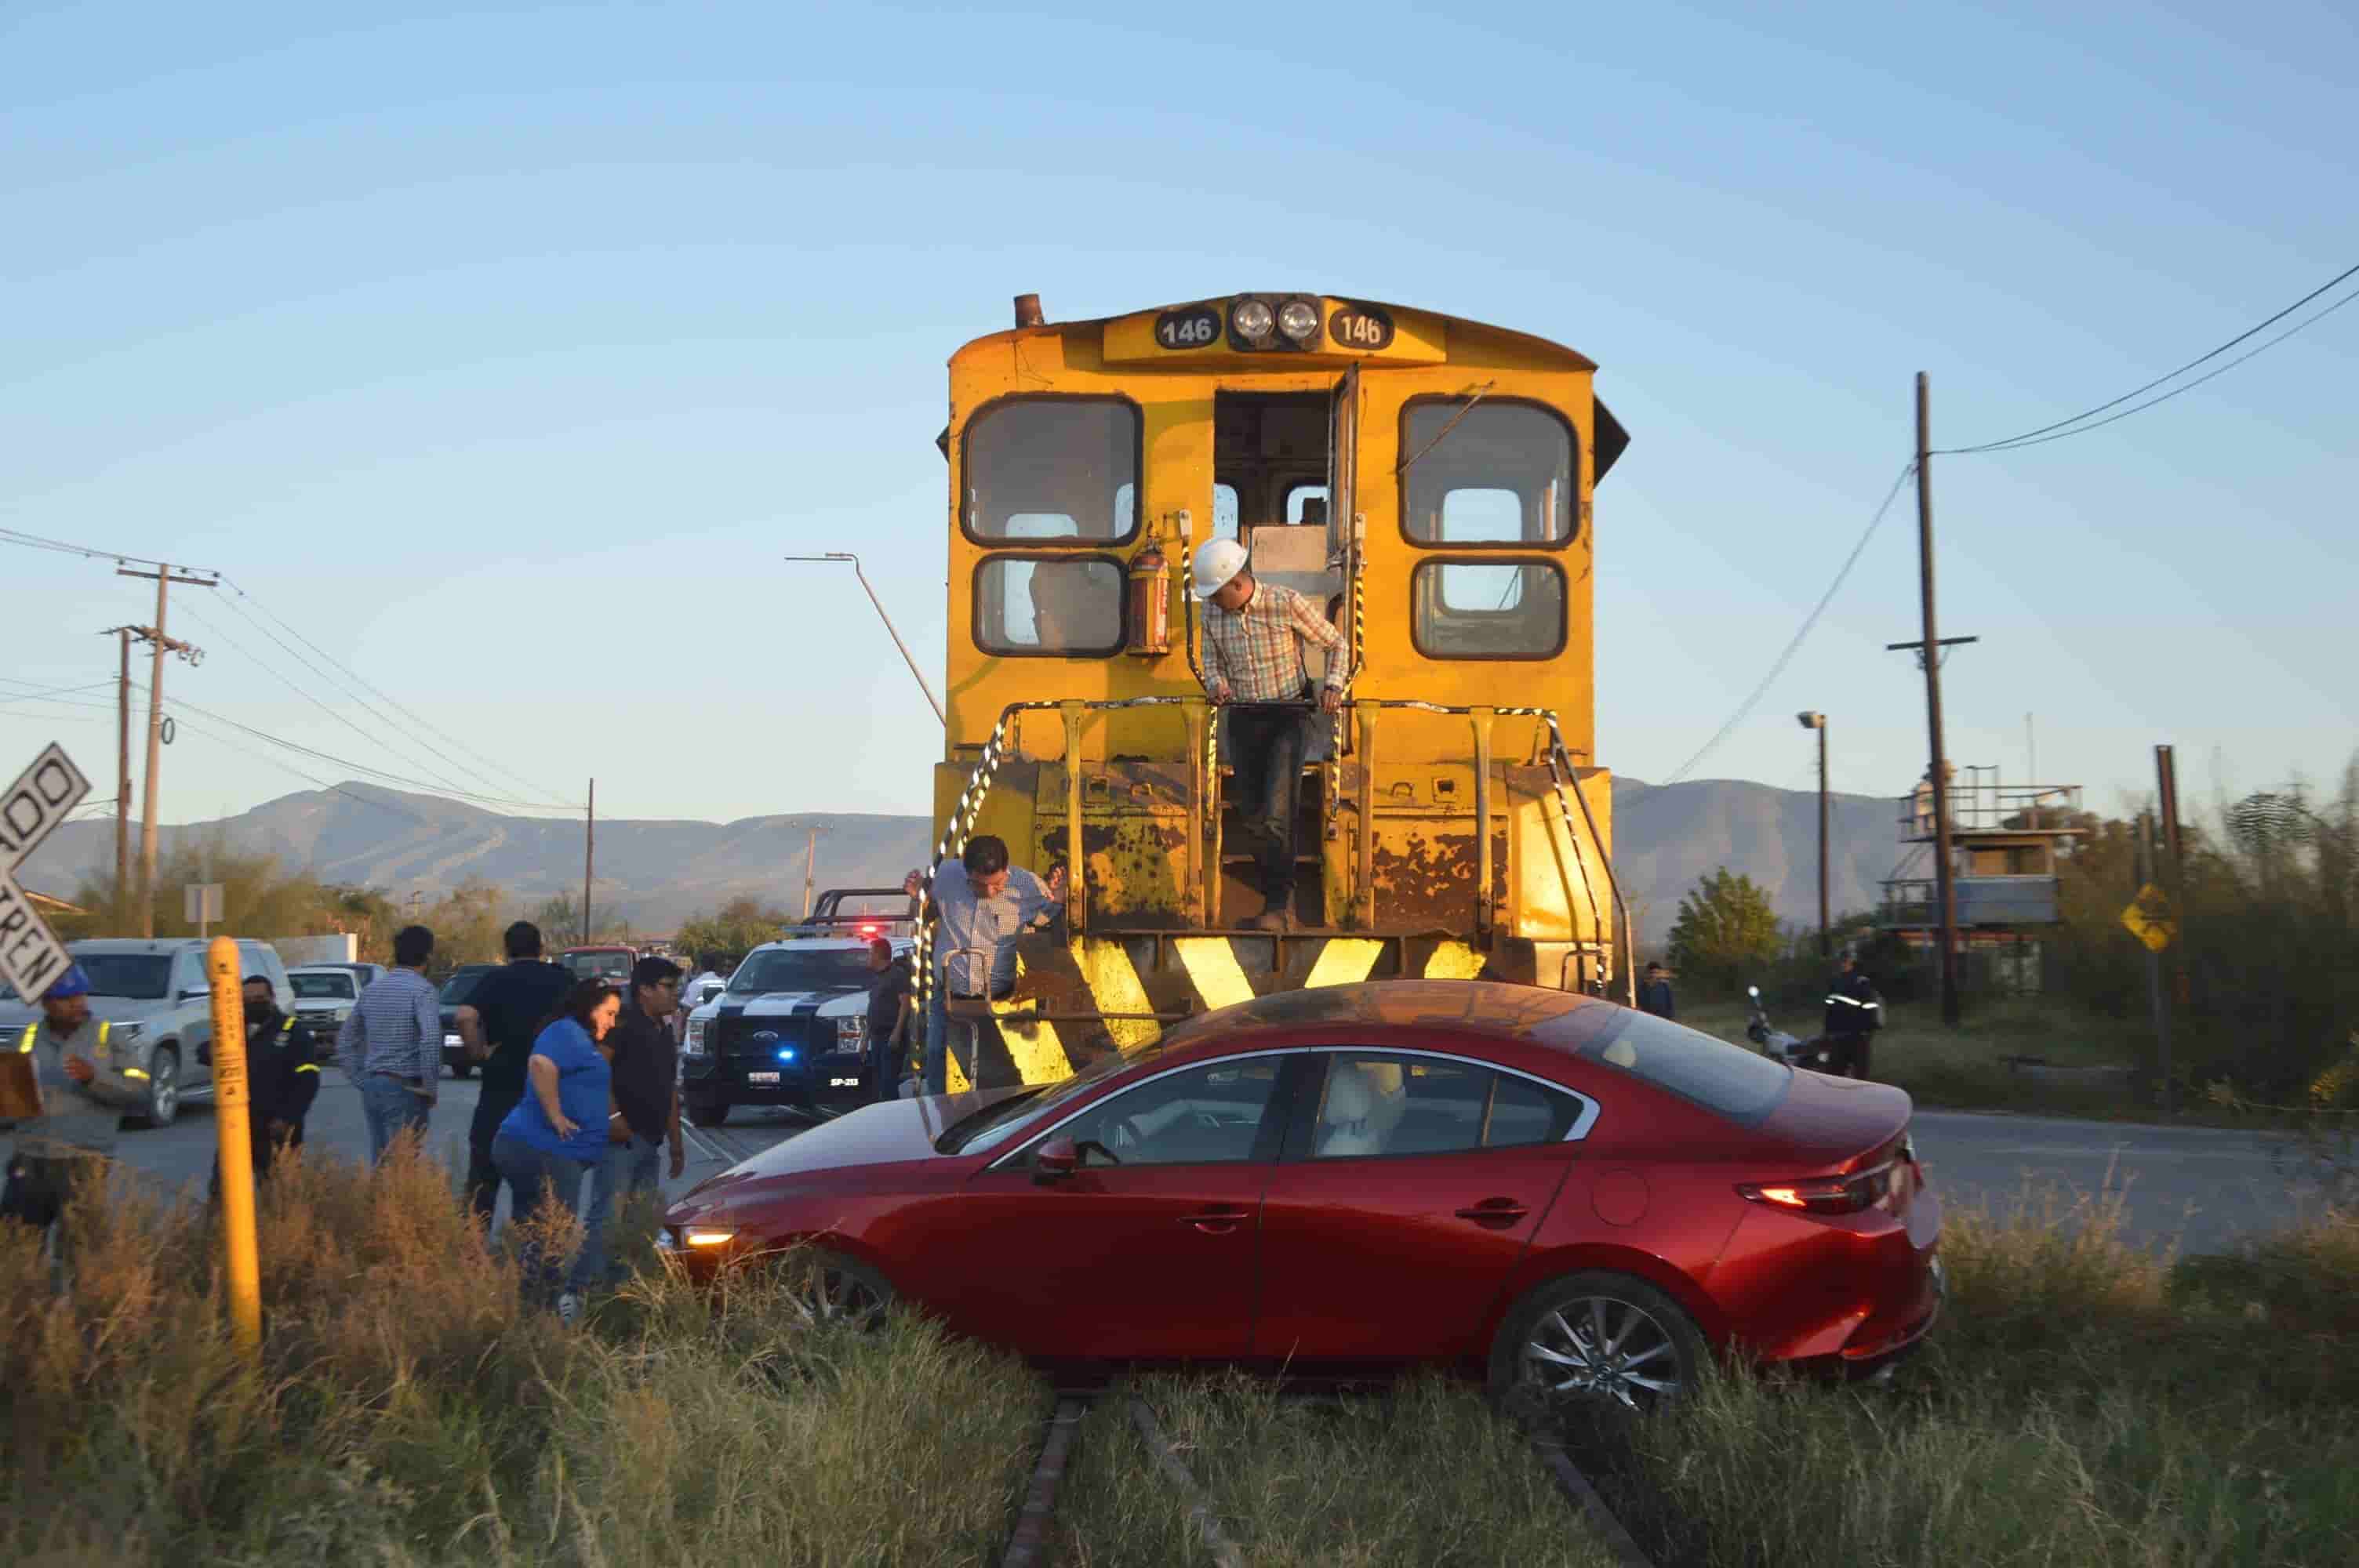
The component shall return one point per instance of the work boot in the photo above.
(1270, 919)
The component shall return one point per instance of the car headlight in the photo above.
(852, 1030)
(708, 1235)
(123, 1034)
(694, 1045)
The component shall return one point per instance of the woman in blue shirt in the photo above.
(558, 1132)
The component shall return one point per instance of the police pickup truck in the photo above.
(790, 1030)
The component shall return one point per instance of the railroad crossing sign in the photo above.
(2151, 919)
(31, 956)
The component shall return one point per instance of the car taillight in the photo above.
(1848, 1195)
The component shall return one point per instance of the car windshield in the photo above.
(600, 965)
(314, 987)
(1728, 1079)
(990, 1128)
(803, 969)
(141, 977)
(461, 985)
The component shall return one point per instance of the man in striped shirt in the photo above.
(391, 1046)
(1253, 634)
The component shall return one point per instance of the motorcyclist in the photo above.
(1854, 1013)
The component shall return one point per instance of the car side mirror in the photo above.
(1054, 1161)
(193, 995)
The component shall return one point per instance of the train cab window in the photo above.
(1486, 474)
(1070, 458)
(1047, 606)
(1481, 610)
(1307, 504)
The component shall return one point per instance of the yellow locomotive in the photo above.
(1427, 480)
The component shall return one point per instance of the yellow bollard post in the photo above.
(233, 1118)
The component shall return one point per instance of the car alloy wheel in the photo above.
(1599, 1345)
(827, 1287)
(1602, 1341)
(163, 1088)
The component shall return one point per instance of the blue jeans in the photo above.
(392, 1107)
(628, 1168)
(534, 1178)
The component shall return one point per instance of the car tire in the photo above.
(827, 1287)
(163, 1088)
(708, 1112)
(1595, 1341)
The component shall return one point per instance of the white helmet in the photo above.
(1215, 564)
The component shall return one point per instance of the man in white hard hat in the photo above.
(1253, 634)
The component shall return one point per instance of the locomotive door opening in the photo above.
(1274, 461)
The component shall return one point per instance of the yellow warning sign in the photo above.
(2151, 919)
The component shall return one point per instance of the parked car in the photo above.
(368, 974)
(154, 995)
(457, 987)
(610, 964)
(1579, 1200)
(324, 996)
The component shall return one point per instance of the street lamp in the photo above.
(1817, 722)
(890, 631)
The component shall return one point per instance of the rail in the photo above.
(1205, 786)
(1993, 808)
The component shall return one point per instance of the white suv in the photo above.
(153, 998)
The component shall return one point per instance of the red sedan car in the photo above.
(1574, 1196)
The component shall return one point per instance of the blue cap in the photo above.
(72, 983)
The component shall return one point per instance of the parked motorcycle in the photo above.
(1818, 1055)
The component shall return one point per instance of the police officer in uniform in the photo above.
(84, 1097)
(1854, 1013)
(282, 1071)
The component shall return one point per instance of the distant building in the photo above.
(2008, 843)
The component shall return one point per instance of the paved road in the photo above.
(182, 1154)
(2196, 1189)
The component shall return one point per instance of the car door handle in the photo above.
(1494, 1212)
(1217, 1221)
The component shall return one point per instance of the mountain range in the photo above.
(657, 874)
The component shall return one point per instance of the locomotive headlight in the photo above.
(1298, 319)
(1252, 318)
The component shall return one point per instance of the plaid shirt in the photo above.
(1254, 649)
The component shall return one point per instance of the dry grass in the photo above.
(1423, 1474)
(408, 1410)
(1966, 1068)
(2084, 1402)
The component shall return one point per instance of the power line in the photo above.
(347, 763)
(89, 552)
(443, 784)
(2035, 437)
(1825, 599)
(2165, 398)
(410, 713)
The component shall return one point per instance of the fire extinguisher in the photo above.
(1150, 602)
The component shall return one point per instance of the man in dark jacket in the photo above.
(645, 1120)
(1655, 993)
(889, 982)
(282, 1072)
(498, 1022)
(1854, 1013)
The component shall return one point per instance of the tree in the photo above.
(738, 926)
(1725, 928)
(559, 919)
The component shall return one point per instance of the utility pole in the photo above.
(890, 629)
(2165, 771)
(163, 644)
(589, 858)
(810, 872)
(1817, 722)
(123, 780)
(1945, 883)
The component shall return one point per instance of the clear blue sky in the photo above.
(502, 353)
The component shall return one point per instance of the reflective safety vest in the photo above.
(287, 1026)
(33, 1031)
